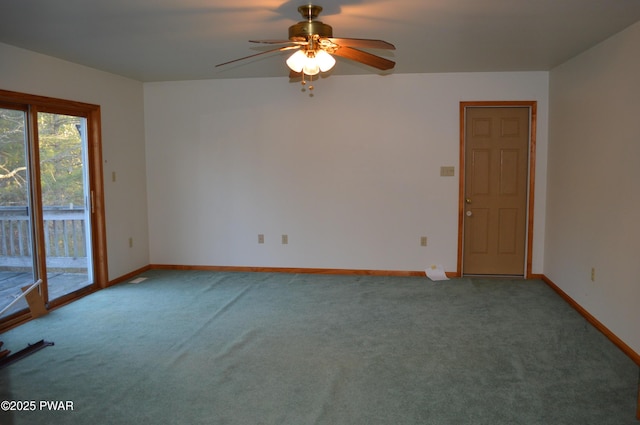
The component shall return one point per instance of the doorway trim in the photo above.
(532, 105)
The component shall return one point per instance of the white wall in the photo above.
(593, 202)
(350, 174)
(121, 102)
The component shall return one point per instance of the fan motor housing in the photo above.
(303, 30)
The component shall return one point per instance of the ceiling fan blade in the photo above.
(365, 58)
(362, 42)
(273, 41)
(279, 49)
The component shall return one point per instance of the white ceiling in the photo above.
(162, 40)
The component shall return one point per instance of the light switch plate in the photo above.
(447, 171)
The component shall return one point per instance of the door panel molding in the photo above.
(532, 105)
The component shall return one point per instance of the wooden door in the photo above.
(495, 190)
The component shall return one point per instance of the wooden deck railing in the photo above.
(64, 238)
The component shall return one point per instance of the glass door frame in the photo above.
(33, 104)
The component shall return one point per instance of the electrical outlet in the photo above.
(260, 238)
(285, 239)
(423, 241)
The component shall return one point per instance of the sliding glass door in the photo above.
(50, 200)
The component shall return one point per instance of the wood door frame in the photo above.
(533, 109)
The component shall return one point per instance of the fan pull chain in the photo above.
(304, 83)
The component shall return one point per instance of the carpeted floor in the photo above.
(194, 347)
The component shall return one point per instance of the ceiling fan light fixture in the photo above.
(311, 66)
(325, 60)
(296, 61)
(311, 62)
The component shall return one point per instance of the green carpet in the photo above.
(193, 347)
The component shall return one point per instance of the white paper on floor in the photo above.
(436, 272)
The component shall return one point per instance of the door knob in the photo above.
(468, 200)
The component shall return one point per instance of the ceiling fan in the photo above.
(314, 44)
